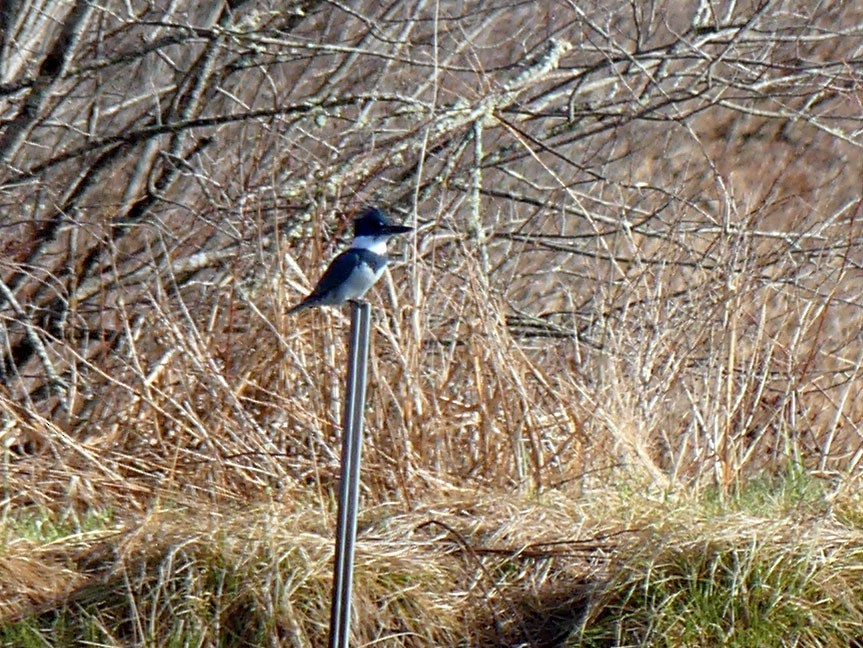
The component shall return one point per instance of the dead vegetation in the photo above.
(637, 266)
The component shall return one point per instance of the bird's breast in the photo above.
(360, 280)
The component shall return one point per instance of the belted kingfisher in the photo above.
(355, 270)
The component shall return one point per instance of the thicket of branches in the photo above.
(639, 240)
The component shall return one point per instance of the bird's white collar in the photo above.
(375, 244)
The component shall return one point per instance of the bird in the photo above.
(351, 274)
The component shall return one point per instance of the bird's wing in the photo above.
(341, 267)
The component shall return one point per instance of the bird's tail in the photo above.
(303, 305)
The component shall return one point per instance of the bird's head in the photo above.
(373, 223)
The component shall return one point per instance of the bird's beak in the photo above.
(397, 229)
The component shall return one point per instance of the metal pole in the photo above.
(349, 481)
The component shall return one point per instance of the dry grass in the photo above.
(776, 565)
(633, 301)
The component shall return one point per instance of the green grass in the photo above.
(723, 595)
(40, 524)
(792, 489)
(766, 566)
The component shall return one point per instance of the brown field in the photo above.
(633, 300)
